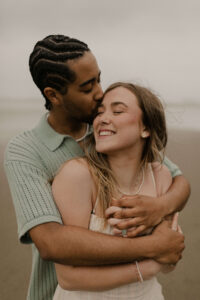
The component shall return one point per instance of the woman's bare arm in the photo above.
(104, 277)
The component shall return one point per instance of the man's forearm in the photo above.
(78, 246)
(177, 195)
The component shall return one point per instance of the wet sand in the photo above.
(182, 284)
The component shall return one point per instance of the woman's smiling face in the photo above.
(118, 125)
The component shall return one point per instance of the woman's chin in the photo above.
(104, 150)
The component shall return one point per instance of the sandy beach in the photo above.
(182, 284)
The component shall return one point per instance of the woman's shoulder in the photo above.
(76, 167)
(162, 177)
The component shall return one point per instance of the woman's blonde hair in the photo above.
(153, 118)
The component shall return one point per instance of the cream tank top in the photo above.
(147, 290)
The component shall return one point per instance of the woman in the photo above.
(130, 134)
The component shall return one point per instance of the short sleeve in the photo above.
(32, 197)
(174, 169)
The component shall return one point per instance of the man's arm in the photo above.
(179, 191)
(177, 195)
(78, 246)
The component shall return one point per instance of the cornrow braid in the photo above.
(48, 66)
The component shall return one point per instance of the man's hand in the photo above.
(139, 213)
(169, 242)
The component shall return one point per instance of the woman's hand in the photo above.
(167, 268)
(149, 268)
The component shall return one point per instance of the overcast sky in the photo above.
(152, 42)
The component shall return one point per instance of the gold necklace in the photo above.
(85, 134)
(139, 188)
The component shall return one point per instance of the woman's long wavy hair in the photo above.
(153, 118)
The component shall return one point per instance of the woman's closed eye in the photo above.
(118, 108)
(117, 112)
(98, 113)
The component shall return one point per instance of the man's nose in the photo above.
(98, 93)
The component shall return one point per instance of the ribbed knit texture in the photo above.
(31, 160)
(30, 165)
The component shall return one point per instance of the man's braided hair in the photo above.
(48, 66)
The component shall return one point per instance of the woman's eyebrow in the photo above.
(113, 104)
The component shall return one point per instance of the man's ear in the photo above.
(52, 95)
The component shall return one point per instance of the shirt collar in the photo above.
(49, 136)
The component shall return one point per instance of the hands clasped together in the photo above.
(133, 216)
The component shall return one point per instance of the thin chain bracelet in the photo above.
(139, 275)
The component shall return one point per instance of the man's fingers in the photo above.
(125, 213)
(125, 201)
(114, 202)
(129, 223)
(121, 212)
(138, 230)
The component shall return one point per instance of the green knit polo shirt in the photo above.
(31, 160)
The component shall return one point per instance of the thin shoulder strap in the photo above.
(95, 205)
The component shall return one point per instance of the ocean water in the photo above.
(17, 116)
(183, 116)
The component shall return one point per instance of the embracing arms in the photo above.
(39, 222)
(73, 191)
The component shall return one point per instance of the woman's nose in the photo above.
(105, 118)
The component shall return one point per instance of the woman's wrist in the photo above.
(138, 272)
(146, 269)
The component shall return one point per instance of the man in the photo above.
(68, 76)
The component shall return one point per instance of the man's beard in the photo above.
(89, 118)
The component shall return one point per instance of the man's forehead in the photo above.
(85, 67)
(86, 61)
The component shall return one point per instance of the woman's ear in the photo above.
(52, 95)
(145, 133)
